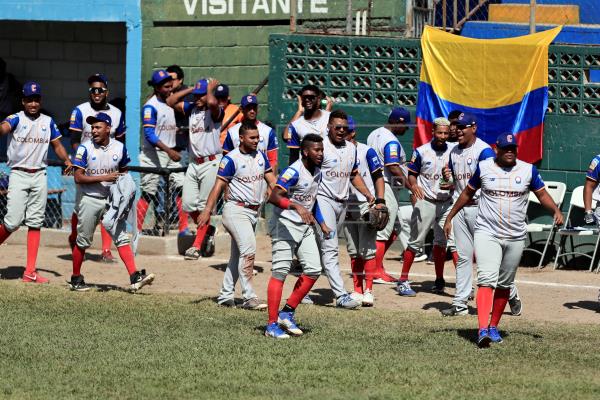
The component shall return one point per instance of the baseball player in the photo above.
(267, 136)
(591, 194)
(339, 169)
(98, 163)
(292, 233)
(313, 120)
(158, 149)
(500, 228)
(453, 117)
(81, 133)
(205, 118)
(229, 109)
(360, 237)
(391, 155)
(242, 175)
(431, 207)
(29, 134)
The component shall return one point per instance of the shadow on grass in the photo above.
(261, 329)
(16, 272)
(222, 267)
(105, 287)
(438, 305)
(583, 304)
(322, 297)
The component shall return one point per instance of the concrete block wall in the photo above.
(61, 55)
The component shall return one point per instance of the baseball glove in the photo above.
(377, 217)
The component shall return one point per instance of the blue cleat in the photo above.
(494, 334)
(403, 288)
(286, 321)
(273, 330)
(484, 338)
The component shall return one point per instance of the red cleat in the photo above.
(107, 257)
(385, 278)
(34, 278)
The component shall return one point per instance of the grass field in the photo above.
(57, 344)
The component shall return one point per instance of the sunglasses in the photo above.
(309, 97)
(97, 90)
(341, 128)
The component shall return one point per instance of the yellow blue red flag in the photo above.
(503, 82)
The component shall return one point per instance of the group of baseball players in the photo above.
(474, 198)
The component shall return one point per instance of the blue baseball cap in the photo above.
(32, 89)
(351, 124)
(506, 140)
(201, 87)
(399, 114)
(249, 99)
(98, 77)
(159, 77)
(222, 91)
(466, 120)
(100, 117)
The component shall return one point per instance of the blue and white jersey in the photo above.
(368, 163)
(389, 150)
(97, 160)
(463, 163)
(246, 176)
(29, 139)
(339, 162)
(427, 163)
(301, 187)
(84, 110)
(504, 197)
(593, 173)
(158, 117)
(267, 138)
(205, 134)
(302, 127)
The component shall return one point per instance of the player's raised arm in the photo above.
(175, 100)
(216, 112)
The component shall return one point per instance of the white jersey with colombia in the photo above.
(84, 110)
(339, 162)
(368, 163)
(389, 150)
(97, 160)
(504, 197)
(158, 115)
(427, 163)
(302, 127)
(29, 139)
(204, 133)
(301, 187)
(463, 163)
(267, 139)
(246, 176)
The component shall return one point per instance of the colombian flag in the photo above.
(503, 82)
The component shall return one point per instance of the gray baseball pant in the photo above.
(26, 199)
(427, 213)
(333, 213)
(360, 238)
(89, 214)
(392, 204)
(240, 222)
(159, 159)
(197, 184)
(497, 260)
(289, 238)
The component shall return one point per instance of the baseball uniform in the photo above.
(267, 140)
(78, 122)
(245, 174)
(302, 127)
(593, 173)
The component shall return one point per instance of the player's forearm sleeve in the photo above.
(317, 213)
(150, 135)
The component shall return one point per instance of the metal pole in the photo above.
(293, 16)
(349, 18)
(531, 16)
(467, 6)
(454, 12)
(167, 205)
(369, 13)
(444, 5)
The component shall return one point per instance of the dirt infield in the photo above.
(567, 296)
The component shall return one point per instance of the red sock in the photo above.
(4, 233)
(195, 215)
(500, 300)
(33, 245)
(358, 269)
(274, 291)
(455, 257)
(379, 254)
(106, 239)
(78, 255)
(142, 209)
(127, 256)
(370, 270)
(409, 257)
(485, 297)
(301, 289)
(73, 235)
(439, 259)
(183, 216)
(200, 233)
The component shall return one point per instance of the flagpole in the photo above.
(531, 16)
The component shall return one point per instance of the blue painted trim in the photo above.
(570, 34)
(126, 11)
(589, 13)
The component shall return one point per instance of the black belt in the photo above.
(29, 170)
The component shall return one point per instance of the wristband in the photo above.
(284, 203)
(380, 201)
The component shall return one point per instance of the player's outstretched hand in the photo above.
(212, 84)
(447, 173)
(68, 167)
(112, 177)
(448, 228)
(329, 105)
(204, 218)
(306, 215)
(300, 108)
(417, 192)
(558, 218)
(174, 155)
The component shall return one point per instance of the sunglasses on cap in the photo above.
(98, 90)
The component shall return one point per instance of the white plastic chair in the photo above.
(570, 231)
(557, 191)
